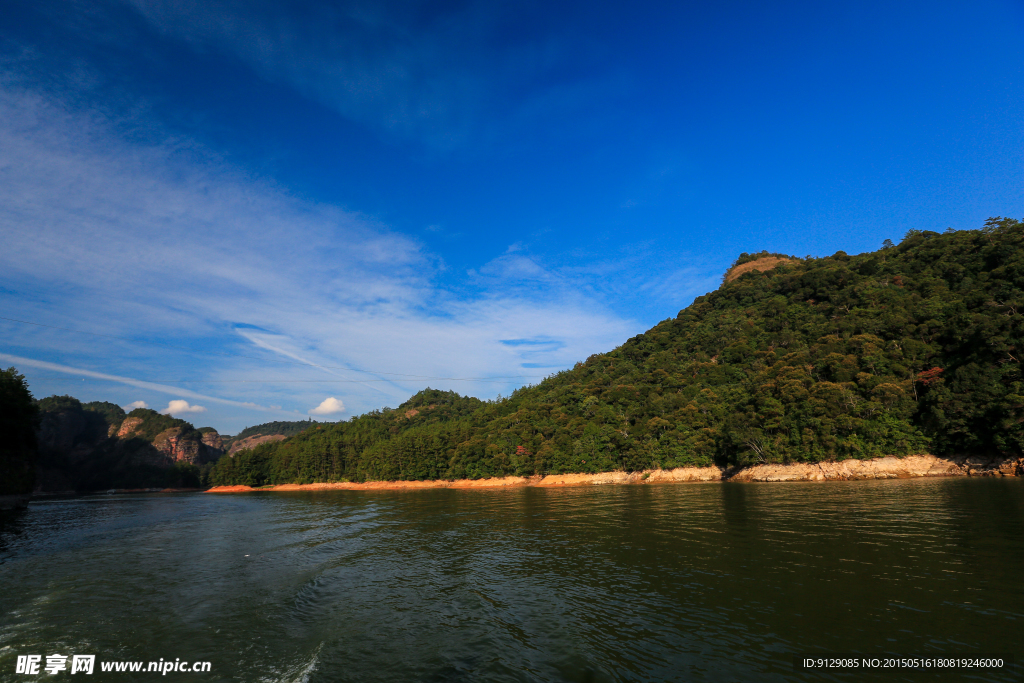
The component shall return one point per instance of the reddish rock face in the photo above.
(177, 446)
(81, 447)
(129, 425)
(181, 444)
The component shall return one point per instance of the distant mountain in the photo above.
(913, 348)
(269, 431)
(96, 446)
(61, 444)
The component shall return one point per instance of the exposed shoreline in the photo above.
(906, 467)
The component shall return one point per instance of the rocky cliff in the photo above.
(127, 427)
(212, 439)
(251, 437)
(885, 468)
(253, 441)
(179, 444)
(96, 446)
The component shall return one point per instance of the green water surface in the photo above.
(674, 582)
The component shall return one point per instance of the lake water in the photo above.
(705, 582)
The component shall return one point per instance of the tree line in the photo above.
(912, 348)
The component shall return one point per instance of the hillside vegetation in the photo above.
(96, 446)
(59, 444)
(276, 428)
(913, 348)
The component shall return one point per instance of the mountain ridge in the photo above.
(909, 349)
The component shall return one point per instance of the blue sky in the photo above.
(253, 207)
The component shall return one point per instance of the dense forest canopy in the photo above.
(153, 423)
(285, 428)
(18, 417)
(913, 348)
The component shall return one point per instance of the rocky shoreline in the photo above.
(884, 468)
(906, 467)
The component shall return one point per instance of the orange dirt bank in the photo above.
(879, 468)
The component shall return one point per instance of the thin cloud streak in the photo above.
(384, 66)
(140, 384)
(288, 354)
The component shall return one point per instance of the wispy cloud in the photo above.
(440, 74)
(163, 242)
(22, 362)
(643, 276)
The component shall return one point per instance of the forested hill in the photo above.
(268, 431)
(912, 348)
(282, 428)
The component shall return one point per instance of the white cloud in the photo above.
(135, 404)
(181, 407)
(164, 242)
(329, 406)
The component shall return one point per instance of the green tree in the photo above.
(18, 451)
(912, 348)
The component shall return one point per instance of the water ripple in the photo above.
(617, 583)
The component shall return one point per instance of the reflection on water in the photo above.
(714, 582)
